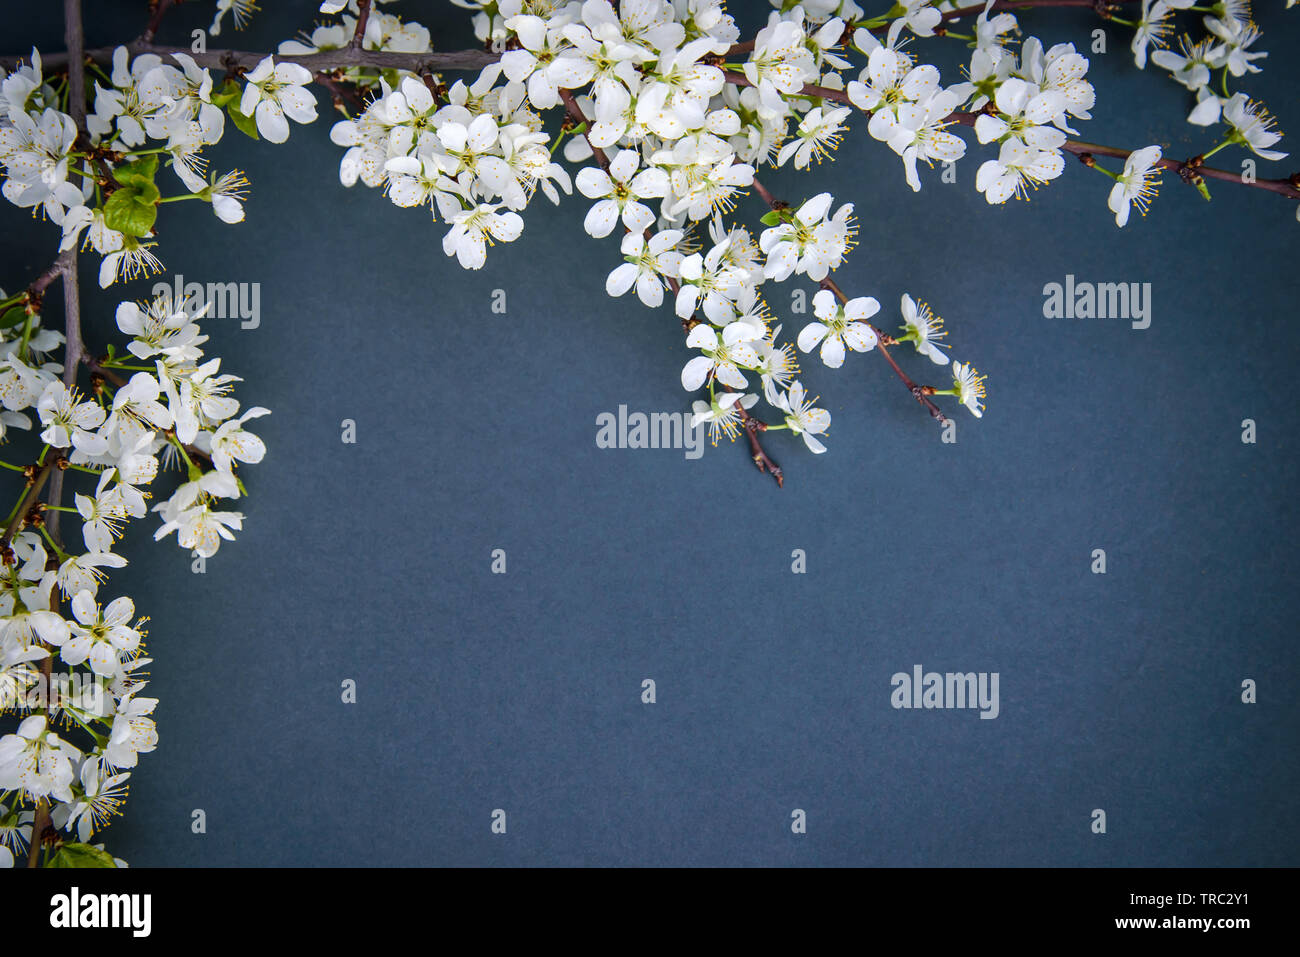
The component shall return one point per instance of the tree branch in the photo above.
(25, 504)
(322, 61)
(74, 348)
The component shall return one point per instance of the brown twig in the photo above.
(761, 459)
(363, 17)
(160, 8)
(920, 393)
(1188, 169)
(74, 348)
(36, 290)
(1103, 7)
(575, 111)
(28, 500)
(339, 91)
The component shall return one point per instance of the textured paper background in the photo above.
(476, 431)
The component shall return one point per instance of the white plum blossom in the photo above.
(722, 414)
(647, 265)
(809, 242)
(1017, 168)
(838, 326)
(37, 761)
(546, 61)
(1252, 126)
(619, 193)
(1152, 28)
(818, 135)
(70, 422)
(803, 417)
(473, 230)
(275, 91)
(98, 636)
(1136, 186)
(231, 442)
(968, 386)
(919, 132)
(723, 356)
(923, 329)
(133, 732)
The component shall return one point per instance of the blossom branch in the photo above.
(918, 392)
(752, 425)
(1186, 169)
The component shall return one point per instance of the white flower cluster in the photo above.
(1225, 49)
(74, 751)
(668, 121)
(181, 412)
(667, 116)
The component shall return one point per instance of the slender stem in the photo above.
(918, 392)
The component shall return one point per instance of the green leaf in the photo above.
(770, 218)
(81, 855)
(138, 176)
(128, 212)
(230, 93)
(138, 172)
(245, 124)
(13, 317)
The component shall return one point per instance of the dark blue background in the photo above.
(476, 431)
